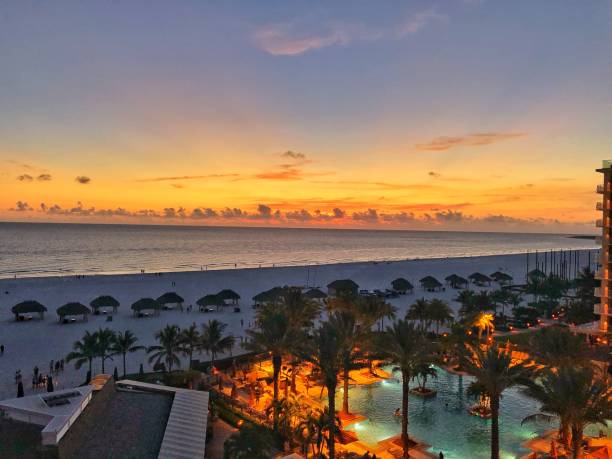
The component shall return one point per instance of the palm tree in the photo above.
(169, 347)
(275, 335)
(422, 372)
(419, 311)
(371, 310)
(250, 442)
(300, 310)
(106, 339)
(191, 341)
(495, 371)
(324, 351)
(484, 322)
(557, 347)
(576, 396)
(404, 346)
(351, 336)
(124, 343)
(213, 341)
(439, 313)
(84, 351)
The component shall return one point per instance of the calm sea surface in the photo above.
(28, 249)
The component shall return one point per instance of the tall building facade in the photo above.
(605, 224)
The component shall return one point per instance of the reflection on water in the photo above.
(443, 421)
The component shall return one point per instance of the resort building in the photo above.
(605, 223)
(106, 419)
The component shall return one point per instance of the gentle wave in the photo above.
(35, 250)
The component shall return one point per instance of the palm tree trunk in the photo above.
(564, 434)
(124, 364)
(345, 394)
(103, 365)
(90, 364)
(277, 361)
(576, 442)
(495, 427)
(405, 391)
(331, 422)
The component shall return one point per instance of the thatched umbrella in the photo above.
(315, 294)
(343, 287)
(501, 277)
(456, 281)
(27, 307)
(269, 296)
(171, 298)
(73, 309)
(228, 294)
(104, 301)
(430, 283)
(536, 274)
(209, 300)
(401, 285)
(145, 304)
(479, 278)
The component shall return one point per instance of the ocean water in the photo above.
(28, 249)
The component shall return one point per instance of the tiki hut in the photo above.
(170, 300)
(145, 304)
(315, 294)
(430, 284)
(268, 296)
(104, 302)
(28, 307)
(208, 301)
(536, 275)
(456, 281)
(72, 309)
(228, 295)
(343, 287)
(402, 286)
(479, 279)
(501, 278)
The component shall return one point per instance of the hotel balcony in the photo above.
(601, 293)
(599, 223)
(599, 206)
(601, 274)
(600, 189)
(598, 240)
(598, 308)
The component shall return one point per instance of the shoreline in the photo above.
(222, 267)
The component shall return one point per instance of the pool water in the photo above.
(443, 421)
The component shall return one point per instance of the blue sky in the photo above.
(125, 91)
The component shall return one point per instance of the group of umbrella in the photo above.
(230, 297)
(430, 283)
(104, 302)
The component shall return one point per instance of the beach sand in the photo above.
(37, 342)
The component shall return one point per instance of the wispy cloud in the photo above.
(82, 179)
(29, 178)
(445, 143)
(295, 38)
(185, 177)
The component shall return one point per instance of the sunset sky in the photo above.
(469, 115)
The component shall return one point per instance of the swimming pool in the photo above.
(443, 421)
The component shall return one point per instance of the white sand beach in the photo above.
(35, 342)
